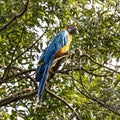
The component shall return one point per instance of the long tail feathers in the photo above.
(41, 86)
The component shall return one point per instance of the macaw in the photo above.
(59, 45)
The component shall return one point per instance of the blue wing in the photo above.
(58, 42)
(45, 60)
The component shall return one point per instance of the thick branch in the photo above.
(19, 14)
(30, 92)
(18, 96)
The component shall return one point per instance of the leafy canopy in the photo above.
(87, 85)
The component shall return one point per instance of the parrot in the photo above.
(58, 46)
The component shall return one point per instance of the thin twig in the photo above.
(66, 71)
(25, 51)
(93, 98)
(23, 72)
(64, 101)
(85, 55)
(8, 67)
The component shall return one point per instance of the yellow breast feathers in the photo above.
(65, 48)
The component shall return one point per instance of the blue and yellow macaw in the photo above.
(57, 48)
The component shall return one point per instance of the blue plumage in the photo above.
(45, 60)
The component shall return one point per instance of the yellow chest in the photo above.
(65, 48)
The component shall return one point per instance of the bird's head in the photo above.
(72, 29)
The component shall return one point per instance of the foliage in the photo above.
(87, 86)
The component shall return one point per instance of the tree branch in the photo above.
(18, 96)
(93, 98)
(23, 53)
(65, 102)
(24, 94)
(8, 67)
(16, 75)
(66, 71)
(85, 55)
(19, 14)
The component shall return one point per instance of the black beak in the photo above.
(75, 30)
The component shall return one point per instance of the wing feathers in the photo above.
(46, 59)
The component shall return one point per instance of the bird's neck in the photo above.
(70, 37)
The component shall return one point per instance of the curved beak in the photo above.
(76, 30)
